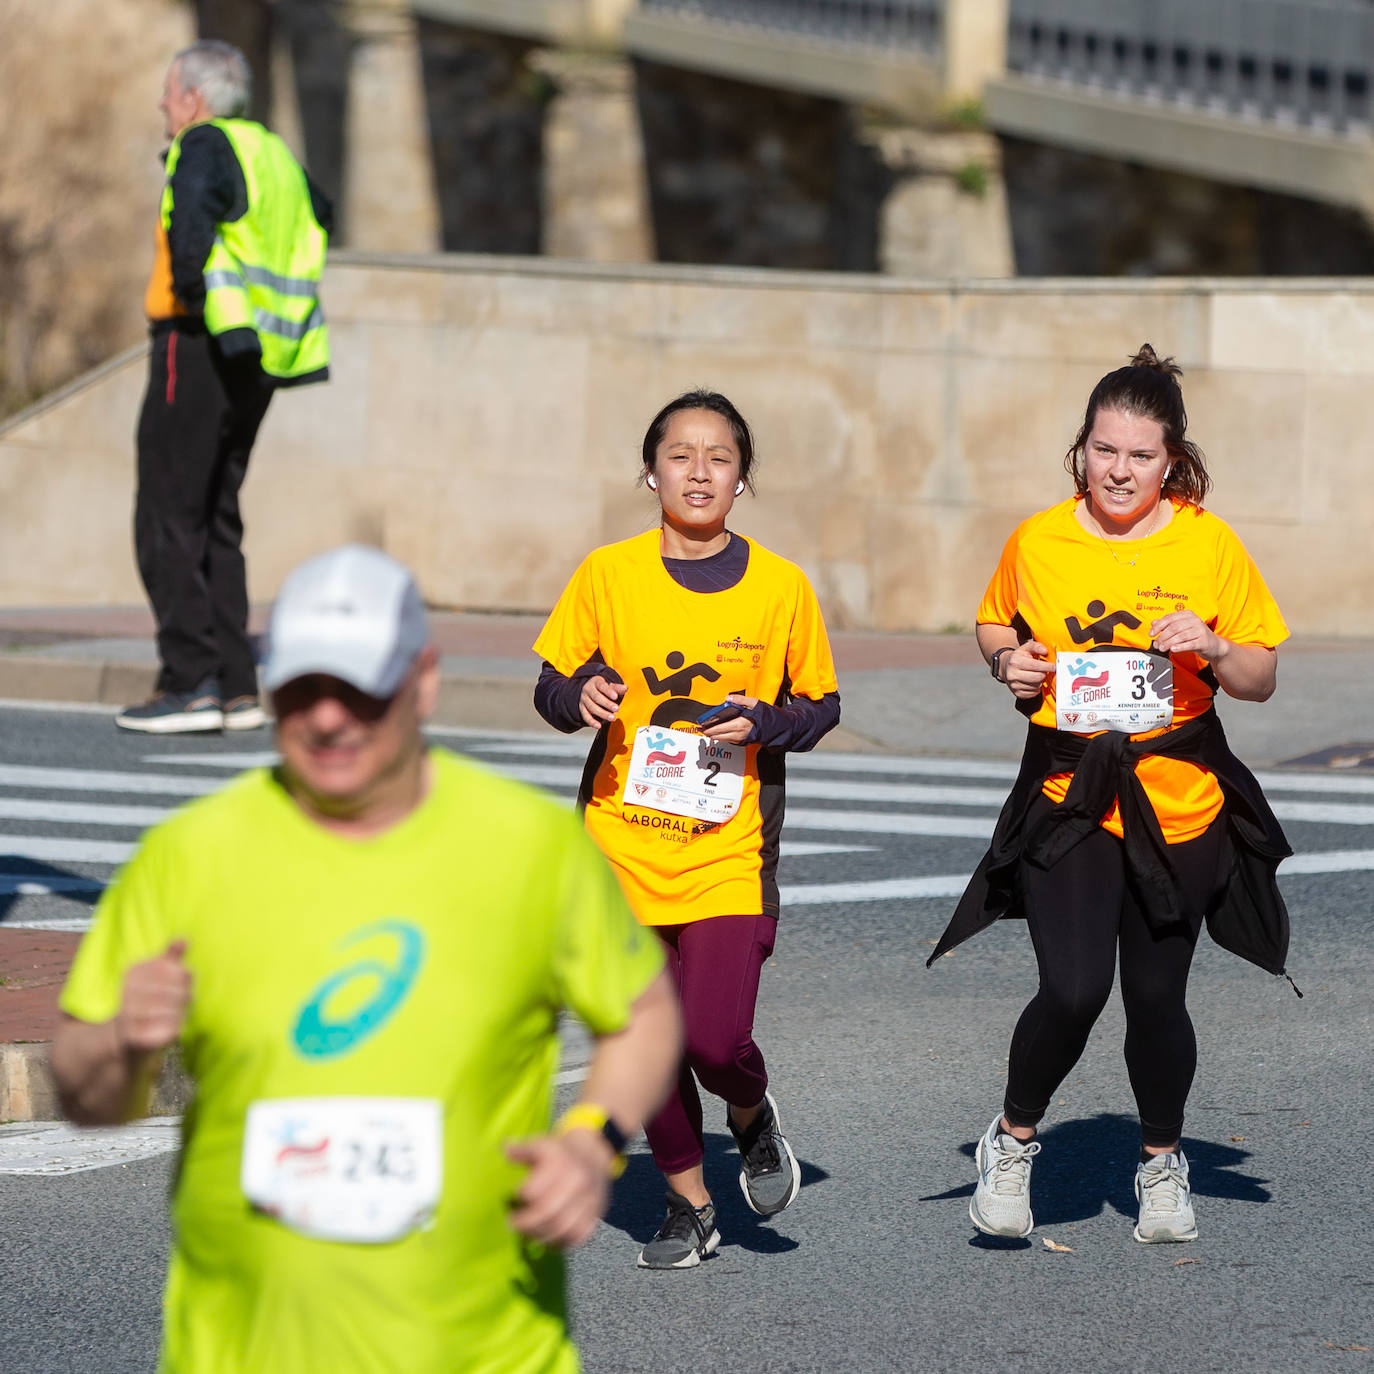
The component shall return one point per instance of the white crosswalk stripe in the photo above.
(69, 827)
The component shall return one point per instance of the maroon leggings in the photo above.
(715, 965)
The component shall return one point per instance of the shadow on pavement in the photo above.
(637, 1204)
(1089, 1164)
(16, 871)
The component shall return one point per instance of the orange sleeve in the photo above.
(1246, 612)
(999, 602)
(571, 635)
(810, 667)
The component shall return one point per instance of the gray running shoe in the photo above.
(1000, 1205)
(1166, 1201)
(770, 1178)
(688, 1236)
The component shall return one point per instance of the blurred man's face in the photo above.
(180, 107)
(348, 755)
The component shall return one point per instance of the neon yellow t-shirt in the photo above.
(480, 915)
(679, 652)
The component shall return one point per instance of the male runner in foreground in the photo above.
(364, 953)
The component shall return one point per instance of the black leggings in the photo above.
(1079, 912)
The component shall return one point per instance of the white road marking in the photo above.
(1324, 813)
(801, 849)
(880, 890)
(81, 813)
(262, 758)
(53, 1147)
(75, 925)
(1332, 861)
(96, 780)
(891, 823)
(47, 849)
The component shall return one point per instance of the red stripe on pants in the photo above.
(172, 368)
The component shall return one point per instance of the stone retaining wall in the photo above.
(485, 416)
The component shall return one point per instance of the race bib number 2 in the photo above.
(1128, 690)
(684, 774)
(361, 1169)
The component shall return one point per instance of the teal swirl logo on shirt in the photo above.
(333, 1020)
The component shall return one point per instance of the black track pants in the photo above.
(200, 417)
(1080, 913)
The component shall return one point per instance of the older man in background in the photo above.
(233, 304)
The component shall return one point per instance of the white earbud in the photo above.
(651, 482)
(1167, 471)
(739, 488)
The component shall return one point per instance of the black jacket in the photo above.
(1251, 919)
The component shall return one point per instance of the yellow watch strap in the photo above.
(586, 1116)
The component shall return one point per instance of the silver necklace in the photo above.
(1107, 543)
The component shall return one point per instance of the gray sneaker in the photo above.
(688, 1236)
(1000, 1205)
(1166, 1201)
(770, 1178)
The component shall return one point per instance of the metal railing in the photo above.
(914, 24)
(1301, 62)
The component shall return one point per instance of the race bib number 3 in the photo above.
(1128, 690)
(684, 774)
(361, 1169)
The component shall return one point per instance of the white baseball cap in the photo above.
(353, 613)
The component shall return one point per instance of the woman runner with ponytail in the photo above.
(699, 658)
(1112, 619)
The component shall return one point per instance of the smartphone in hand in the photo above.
(718, 715)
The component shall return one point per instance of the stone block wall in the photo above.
(485, 417)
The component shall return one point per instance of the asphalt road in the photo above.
(886, 1073)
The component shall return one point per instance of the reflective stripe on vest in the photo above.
(263, 270)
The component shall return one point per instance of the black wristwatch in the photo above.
(995, 662)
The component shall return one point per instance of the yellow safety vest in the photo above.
(263, 272)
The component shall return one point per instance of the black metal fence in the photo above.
(1306, 62)
(872, 23)
(1303, 62)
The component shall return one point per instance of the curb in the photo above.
(27, 1091)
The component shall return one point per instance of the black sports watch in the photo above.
(995, 662)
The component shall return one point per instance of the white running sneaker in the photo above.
(1166, 1203)
(1000, 1205)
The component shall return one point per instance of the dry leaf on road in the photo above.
(1184, 1261)
(1055, 1245)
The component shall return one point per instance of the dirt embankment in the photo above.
(80, 136)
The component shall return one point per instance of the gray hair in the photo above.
(220, 72)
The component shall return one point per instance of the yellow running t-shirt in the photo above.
(1069, 589)
(437, 957)
(679, 652)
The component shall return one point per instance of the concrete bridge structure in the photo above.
(1273, 94)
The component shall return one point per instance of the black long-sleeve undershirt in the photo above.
(795, 725)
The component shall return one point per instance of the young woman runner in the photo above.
(1113, 618)
(648, 639)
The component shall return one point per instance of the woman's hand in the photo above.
(1025, 669)
(1248, 672)
(600, 701)
(1182, 632)
(734, 731)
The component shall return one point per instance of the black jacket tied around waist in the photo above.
(1250, 920)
